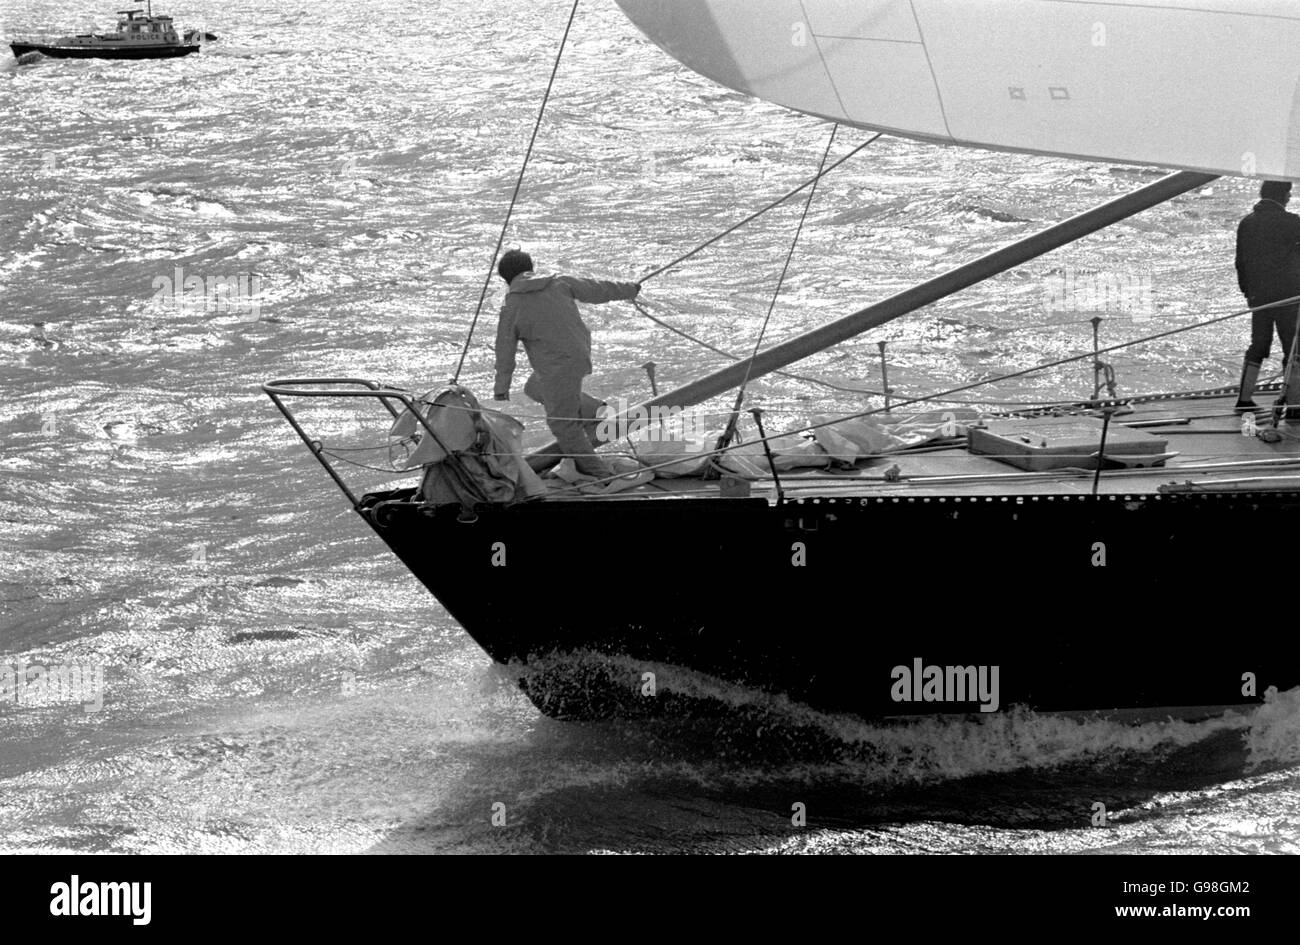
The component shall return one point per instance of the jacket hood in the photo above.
(527, 282)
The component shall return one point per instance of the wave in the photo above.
(755, 725)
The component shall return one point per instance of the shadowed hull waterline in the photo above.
(711, 587)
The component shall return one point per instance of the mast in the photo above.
(918, 296)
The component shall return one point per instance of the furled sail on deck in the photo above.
(1202, 85)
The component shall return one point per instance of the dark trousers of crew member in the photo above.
(1263, 324)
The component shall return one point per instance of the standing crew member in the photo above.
(1268, 269)
(540, 312)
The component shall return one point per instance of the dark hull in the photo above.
(97, 52)
(1190, 604)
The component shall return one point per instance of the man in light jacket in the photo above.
(541, 312)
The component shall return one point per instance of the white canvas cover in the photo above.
(486, 446)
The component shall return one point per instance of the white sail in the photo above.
(1203, 85)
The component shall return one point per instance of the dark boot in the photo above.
(1289, 379)
(1249, 378)
(1283, 407)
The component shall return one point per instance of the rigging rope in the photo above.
(515, 196)
(811, 182)
(735, 357)
(730, 431)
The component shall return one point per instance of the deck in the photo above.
(1212, 455)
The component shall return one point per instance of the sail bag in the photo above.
(470, 454)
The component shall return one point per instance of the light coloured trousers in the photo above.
(560, 392)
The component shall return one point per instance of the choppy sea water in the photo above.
(274, 680)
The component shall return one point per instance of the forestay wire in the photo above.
(487, 282)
